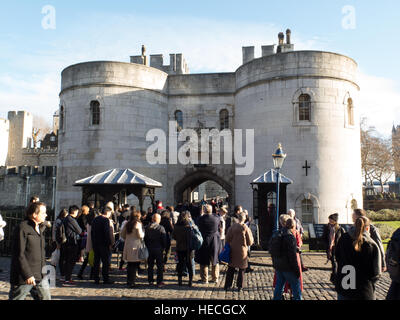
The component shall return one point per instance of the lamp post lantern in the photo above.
(278, 158)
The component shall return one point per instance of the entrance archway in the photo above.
(192, 180)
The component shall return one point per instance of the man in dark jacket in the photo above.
(71, 247)
(285, 261)
(155, 239)
(211, 248)
(28, 256)
(102, 245)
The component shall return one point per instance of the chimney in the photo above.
(288, 33)
(248, 54)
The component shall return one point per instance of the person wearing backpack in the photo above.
(393, 265)
(183, 235)
(58, 237)
(239, 238)
(285, 261)
(71, 247)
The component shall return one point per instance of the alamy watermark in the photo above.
(196, 145)
(49, 20)
(49, 278)
(349, 18)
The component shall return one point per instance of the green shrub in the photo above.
(384, 215)
(385, 230)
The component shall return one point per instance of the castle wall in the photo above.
(4, 132)
(268, 89)
(132, 101)
(261, 95)
(16, 188)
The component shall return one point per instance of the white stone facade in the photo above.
(262, 94)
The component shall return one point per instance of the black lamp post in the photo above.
(278, 158)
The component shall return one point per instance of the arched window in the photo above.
(61, 124)
(304, 107)
(224, 119)
(95, 112)
(271, 198)
(179, 119)
(307, 211)
(350, 112)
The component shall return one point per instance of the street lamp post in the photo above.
(278, 158)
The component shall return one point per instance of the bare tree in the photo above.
(42, 124)
(367, 136)
(382, 161)
(376, 156)
(396, 151)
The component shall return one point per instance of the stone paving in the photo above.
(259, 283)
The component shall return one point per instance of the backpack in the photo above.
(196, 238)
(61, 238)
(276, 245)
(393, 259)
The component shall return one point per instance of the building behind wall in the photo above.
(26, 168)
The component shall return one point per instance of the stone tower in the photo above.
(20, 136)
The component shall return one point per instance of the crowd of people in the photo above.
(201, 231)
(357, 257)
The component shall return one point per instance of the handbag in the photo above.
(225, 255)
(91, 258)
(143, 253)
(196, 238)
(55, 257)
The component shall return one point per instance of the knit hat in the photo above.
(334, 217)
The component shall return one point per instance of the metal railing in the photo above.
(13, 218)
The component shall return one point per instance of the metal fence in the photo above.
(13, 218)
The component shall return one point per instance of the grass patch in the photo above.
(394, 224)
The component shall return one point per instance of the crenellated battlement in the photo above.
(267, 50)
(177, 63)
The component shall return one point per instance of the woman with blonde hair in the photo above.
(132, 233)
(359, 260)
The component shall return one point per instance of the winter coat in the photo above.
(155, 237)
(239, 238)
(367, 264)
(287, 261)
(325, 237)
(169, 227)
(28, 253)
(374, 234)
(132, 242)
(211, 248)
(183, 235)
(72, 230)
(89, 245)
(101, 232)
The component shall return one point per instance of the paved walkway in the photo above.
(259, 283)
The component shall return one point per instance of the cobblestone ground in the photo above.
(259, 284)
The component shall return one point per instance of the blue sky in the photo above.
(209, 33)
